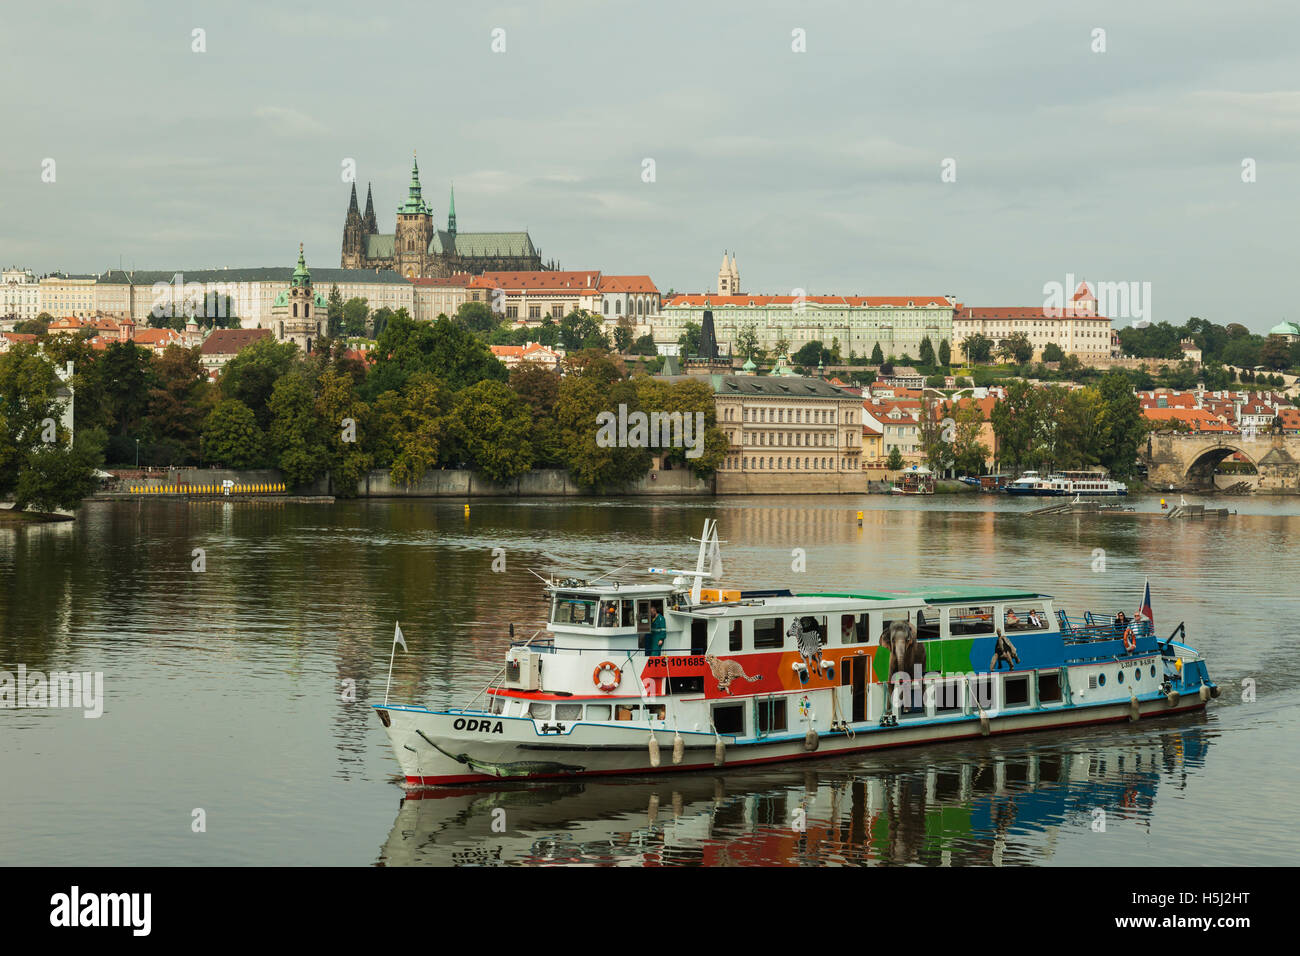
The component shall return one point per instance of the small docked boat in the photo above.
(917, 480)
(653, 677)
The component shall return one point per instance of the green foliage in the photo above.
(355, 312)
(344, 419)
(689, 341)
(539, 389)
(294, 438)
(624, 332)
(251, 375)
(335, 312)
(231, 436)
(475, 317)
(978, 348)
(179, 402)
(895, 460)
(747, 341)
(56, 476)
(441, 349)
(645, 345)
(581, 329)
(945, 353)
(1275, 353)
(811, 354)
(126, 375)
(491, 425)
(583, 395)
(927, 352)
(877, 356)
(1121, 423)
(410, 427)
(1052, 352)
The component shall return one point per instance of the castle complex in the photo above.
(416, 250)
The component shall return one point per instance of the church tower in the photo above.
(295, 314)
(369, 222)
(728, 276)
(451, 212)
(353, 233)
(414, 230)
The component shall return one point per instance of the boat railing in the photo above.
(1099, 627)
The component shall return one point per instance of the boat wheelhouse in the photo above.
(756, 676)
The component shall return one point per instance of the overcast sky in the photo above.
(821, 169)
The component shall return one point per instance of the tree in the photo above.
(945, 353)
(978, 348)
(624, 333)
(56, 476)
(1016, 347)
(549, 333)
(645, 345)
(37, 326)
(937, 434)
(125, 375)
(927, 355)
(410, 427)
(251, 375)
(782, 345)
(877, 356)
(583, 395)
(810, 355)
(1014, 425)
(689, 341)
(355, 312)
(1275, 353)
(1052, 352)
(1122, 424)
(895, 461)
(476, 317)
(335, 312)
(968, 452)
(178, 403)
(491, 425)
(345, 420)
(442, 348)
(747, 341)
(231, 436)
(295, 434)
(539, 389)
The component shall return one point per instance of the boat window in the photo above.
(575, 609)
(734, 639)
(643, 616)
(1049, 688)
(1015, 691)
(498, 705)
(598, 711)
(729, 718)
(947, 694)
(768, 632)
(609, 614)
(626, 711)
(686, 685)
(770, 714)
(629, 613)
(890, 618)
(853, 629)
(1024, 617)
(568, 712)
(927, 625)
(983, 695)
(656, 711)
(970, 620)
(540, 711)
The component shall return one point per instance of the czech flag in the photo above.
(1145, 610)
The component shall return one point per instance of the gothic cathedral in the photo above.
(417, 250)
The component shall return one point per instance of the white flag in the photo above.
(397, 636)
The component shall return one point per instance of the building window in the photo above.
(534, 311)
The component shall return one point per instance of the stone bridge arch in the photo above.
(1188, 460)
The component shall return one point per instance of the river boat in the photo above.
(749, 677)
(1086, 483)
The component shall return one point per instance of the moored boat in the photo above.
(746, 677)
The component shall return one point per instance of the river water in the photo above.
(226, 737)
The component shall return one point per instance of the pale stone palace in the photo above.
(416, 250)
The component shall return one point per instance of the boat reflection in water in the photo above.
(988, 802)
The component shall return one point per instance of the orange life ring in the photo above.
(606, 666)
(1130, 640)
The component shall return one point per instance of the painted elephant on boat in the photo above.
(906, 654)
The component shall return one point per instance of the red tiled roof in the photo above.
(538, 281)
(901, 302)
(1199, 419)
(627, 284)
(1025, 312)
(230, 341)
(461, 280)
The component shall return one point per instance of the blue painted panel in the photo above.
(1034, 650)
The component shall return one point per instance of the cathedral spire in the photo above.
(352, 206)
(371, 224)
(451, 211)
(414, 201)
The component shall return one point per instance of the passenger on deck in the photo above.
(1012, 620)
(1035, 620)
(1121, 622)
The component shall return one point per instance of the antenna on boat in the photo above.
(710, 549)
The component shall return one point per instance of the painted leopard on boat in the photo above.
(724, 672)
